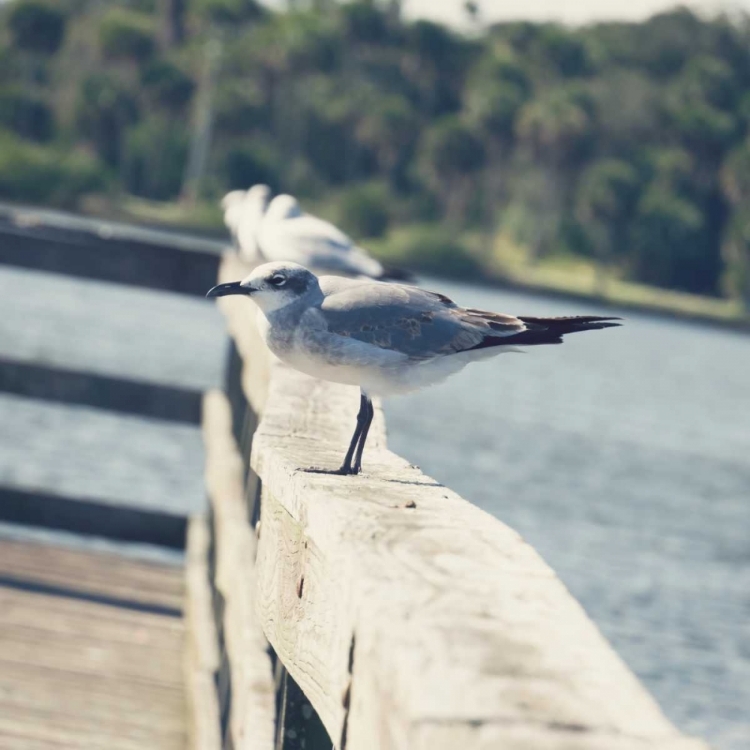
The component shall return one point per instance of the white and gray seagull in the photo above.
(385, 338)
(232, 204)
(251, 213)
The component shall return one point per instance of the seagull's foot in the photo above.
(342, 471)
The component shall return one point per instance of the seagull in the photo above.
(286, 233)
(253, 209)
(232, 204)
(385, 338)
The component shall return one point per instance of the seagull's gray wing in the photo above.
(413, 322)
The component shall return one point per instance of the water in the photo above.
(111, 330)
(622, 456)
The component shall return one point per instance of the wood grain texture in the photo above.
(114, 576)
(201, 644)
(252, 707)
(77, 673)
(410, 618)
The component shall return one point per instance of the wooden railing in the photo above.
(377, 612)
(55, 242)
(381, 611)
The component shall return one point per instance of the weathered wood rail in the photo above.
(379, 612)
(396, 614)
(60, 243)
(93, 650)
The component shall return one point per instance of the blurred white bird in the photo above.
(286, 233)
(252, 211)
(232, 204)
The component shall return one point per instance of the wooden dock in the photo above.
(378, 612)
(91, 651)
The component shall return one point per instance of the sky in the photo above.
(573, 12)
(566, 11)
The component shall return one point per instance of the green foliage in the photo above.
(167, 85)
(105, 109)
(363, 210)
(364, 22)
(451, 150)
(127, 35)
(40, 174)
(154, 158)
(26, 114)
(37, 26)
(431, 249)
(229, 11)
(239, 107)
(559, 125)
(623, 141)
(496, 90)
(736, 254)
(556, 48)
(735, 178)
(665, 42)
(670, 247)
(248, 164)
(735, 175)
(608, 190)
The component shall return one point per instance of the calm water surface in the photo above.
(622, 456)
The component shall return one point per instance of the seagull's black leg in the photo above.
(357, 444)
(346, 467)
(369, 414)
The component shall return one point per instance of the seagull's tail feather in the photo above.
(570, 324)
(548, 330)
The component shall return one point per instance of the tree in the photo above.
(451, 157)
(230, 12)
(558, 126)
(735, 180)
(166, 85)
(495, 91)
(556, 131)
(736, 254)
(104, 110)
(172, 22)
(127, 35)
(26, 114)
(670, 244)
(605, 200)
(390, 127)
(154, 158)
(37, 26)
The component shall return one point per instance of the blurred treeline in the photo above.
(622, 143)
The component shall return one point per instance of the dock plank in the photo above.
(77, 673)
(113, 575)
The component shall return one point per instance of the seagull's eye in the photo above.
(277, 280)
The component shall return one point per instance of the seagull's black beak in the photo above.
(224, 290)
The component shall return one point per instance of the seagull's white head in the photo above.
(283, 207)
(272, 285)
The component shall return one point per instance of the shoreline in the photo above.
(740, 325)
(488, 279)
